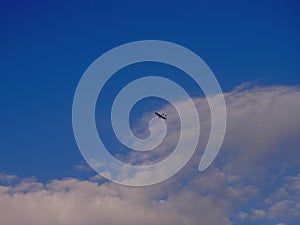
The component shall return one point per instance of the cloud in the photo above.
(83, 167)
(278, 207)
(7, 177)
(263, 123)
(255, 178)
(71, 201)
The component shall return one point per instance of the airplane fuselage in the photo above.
(162, 116)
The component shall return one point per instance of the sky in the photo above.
(251, 47)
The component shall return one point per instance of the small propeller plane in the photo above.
(161, 116)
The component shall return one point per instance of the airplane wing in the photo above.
(160, 115)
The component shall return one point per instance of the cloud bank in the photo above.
(254, 180)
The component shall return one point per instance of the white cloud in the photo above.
(250, 180)
(263, 124)
(71, 201)
(258, 214)
(83, 166)
(7, 177)
(242, 216)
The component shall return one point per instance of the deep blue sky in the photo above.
(46, 47)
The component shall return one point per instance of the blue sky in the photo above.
(47, 46)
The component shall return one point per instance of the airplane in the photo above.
(161, 116)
